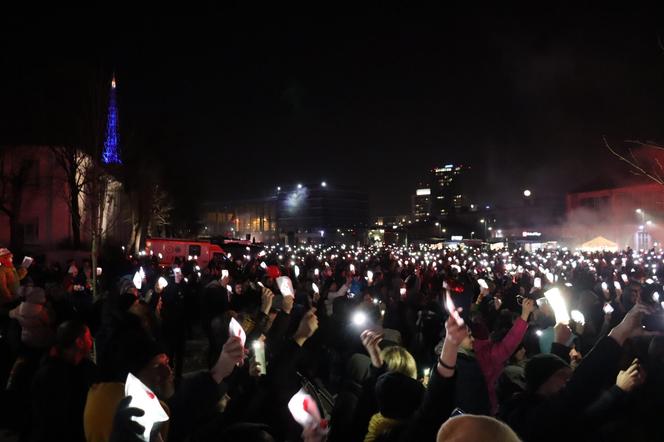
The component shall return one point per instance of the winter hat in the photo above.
(479, 329)
(398, 395)
(138, 353)
(126, 285)
(4, 251)
(273, 272)
(31, 294)
(35, 295)
(540, 368)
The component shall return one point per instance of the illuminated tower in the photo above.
(111, 154)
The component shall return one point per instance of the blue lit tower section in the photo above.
(111, 154)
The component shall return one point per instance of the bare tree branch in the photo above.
(650, 144)
(634, 164)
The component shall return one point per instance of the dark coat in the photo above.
(59, 392)
(562, 416)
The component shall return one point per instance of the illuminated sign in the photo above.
(531, 234)
(457, 238)
(421, 192)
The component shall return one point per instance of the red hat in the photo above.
(455, 286)
(273, 272)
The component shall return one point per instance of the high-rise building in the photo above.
(421, 202)
(440, 194)
(446, 193)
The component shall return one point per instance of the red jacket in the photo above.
(492, 356)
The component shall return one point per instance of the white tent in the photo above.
(598, 244)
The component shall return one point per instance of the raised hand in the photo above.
(287, 304)
(231, 356)
(527, 308)
(307, 327)
(266, 300)
(370, 340)
(631, 326)
(631, 378)
(124, 428)
(562, 334)
(455, 334)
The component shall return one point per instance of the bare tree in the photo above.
(161, 211)
(649, 167)
(13, 180)
(75, 164)
(92, 128)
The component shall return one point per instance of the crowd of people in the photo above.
(337, 343)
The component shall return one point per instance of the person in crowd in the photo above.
(61, 384)
(357, 335)
(483, 361)
(37, 335)
(554, 393)
(10, 277)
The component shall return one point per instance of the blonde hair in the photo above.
(397, 359)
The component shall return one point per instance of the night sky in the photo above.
(232, 103)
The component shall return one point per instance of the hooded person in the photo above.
(10, 276)
(398, 396)
(36, 335)
(34, 318)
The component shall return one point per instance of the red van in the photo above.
(167, 249)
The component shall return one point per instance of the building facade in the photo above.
(441, 194)
(300, 213)
(447, 193)
(34, 196)
(628, 215)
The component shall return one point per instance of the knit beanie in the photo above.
(273, 272)
(398, 395)
(138, 352)
(35, 295)
(540, 368)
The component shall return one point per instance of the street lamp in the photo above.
(527, 193)
(323, 184)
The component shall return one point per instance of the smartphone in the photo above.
(538, 283)
(607, 308)
(654, 322)
(162, 283)
(259, 354)
(224, 274)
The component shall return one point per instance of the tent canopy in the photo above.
(599, 243)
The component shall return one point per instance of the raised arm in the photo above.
(438, 400)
